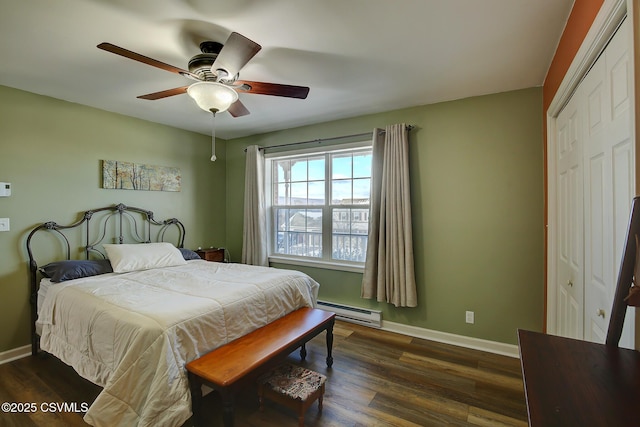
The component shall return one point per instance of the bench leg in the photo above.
(227, 408)
(330, 343)
(196, 399)
(261, 396)
(303, 352)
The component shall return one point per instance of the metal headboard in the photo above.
(140, 223)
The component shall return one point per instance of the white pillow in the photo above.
(142, 256)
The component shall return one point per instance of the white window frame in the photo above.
(325, 263)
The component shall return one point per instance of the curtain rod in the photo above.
(321, 140)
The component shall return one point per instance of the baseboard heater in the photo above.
(361, 316)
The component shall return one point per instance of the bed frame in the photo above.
(112, 224)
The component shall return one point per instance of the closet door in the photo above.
(598, 202)
(570, 250)
(595, 178)
(609, 177)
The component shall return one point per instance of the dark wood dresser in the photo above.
(570, 382)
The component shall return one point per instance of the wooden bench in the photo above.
(227, 368)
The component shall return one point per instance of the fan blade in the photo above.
(238, 109)
(274, 89)
(145, 60)
(164, 93)
(235, 54)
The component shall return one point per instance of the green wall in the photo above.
(51, 152)
(477, 189)
(477, 201)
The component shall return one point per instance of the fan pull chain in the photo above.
(213, 136)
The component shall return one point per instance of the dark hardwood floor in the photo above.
(378, 379)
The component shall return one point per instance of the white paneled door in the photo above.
(595, 181)
(570, 279)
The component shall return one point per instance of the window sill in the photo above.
(317, 264)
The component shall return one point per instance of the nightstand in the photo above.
(211, 254)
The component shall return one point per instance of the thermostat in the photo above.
(5, 189)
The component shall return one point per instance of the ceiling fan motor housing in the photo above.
(201, 63)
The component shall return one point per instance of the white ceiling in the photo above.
(357, 56)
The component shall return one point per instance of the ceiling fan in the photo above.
(216, 72)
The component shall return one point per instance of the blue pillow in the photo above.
(60, 271)
(188, 254)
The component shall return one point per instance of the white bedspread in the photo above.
(132, 333)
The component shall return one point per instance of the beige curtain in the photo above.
(389, 271)
(254, 233)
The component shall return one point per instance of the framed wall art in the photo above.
(117, 175)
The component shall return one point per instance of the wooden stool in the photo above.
(292, 386)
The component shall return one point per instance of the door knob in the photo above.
(570, 284)
(600, 312)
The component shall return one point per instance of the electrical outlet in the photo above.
(4, 224)
(470, 317)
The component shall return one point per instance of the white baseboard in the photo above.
(15, 354)
(453, 339)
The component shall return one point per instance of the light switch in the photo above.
(5, 189)
(4, 224)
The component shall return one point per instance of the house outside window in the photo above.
(318, 203)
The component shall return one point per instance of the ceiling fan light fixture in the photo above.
(212, 96)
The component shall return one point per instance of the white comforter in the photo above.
(132, 333)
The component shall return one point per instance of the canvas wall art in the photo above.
(137, 176)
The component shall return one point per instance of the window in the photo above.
(319, 205)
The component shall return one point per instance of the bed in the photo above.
(131, 323)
